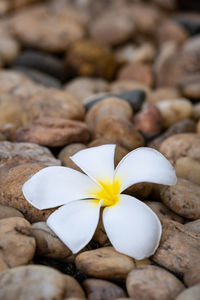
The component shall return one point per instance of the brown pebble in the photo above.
(9, 212)
(190, 294)
(68, 151)
(72, 288)
(192, 275)
(188, 168)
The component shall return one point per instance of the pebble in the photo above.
(105, 263)
(183, 126)
(88, 58)
(179, 248)
(136, 71)
(9, 212)
(141, 190)
(192, 276)
(72, 288)
(47, 243)
(108, 107)
(176, 146)
(67, 151)
(163, 212)
(11, 191)
(194, 225)
(149, 121)
(163, 93)
(53, 132)
(189, 21)
(17, 243)
(198, 127)
(191, 293)
(9, 49)
(100, 235)
(32, 282)
(134, 97)
(84, 87)
(119, 131)
(152, 282)
(174, 111)
(196, 107)
(101, 289)
(183, 198)
(189, 86)
(188, 168)
(13, 154)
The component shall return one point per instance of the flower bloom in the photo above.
(132, 227)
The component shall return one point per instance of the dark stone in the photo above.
(43, 62)
(134, 97)
(191, 22)
(193, 5)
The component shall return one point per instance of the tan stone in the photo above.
(188, 168)
(194, 225)
(72, 288)
(192, 276)
(68, 151)
(9, 212)
(191, 293)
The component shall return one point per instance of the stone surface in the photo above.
(171, 31)
(119, 131)
(13, 154)
(163, 93)
(11, 191)
(194, 225)
(47, 243)
(154, 283)
(188, 168)
(183, 126)
(149, 121)
(9, 49)
(72, 288)
(189, 86)
(32, 282)
(107, 108)
(9, 212)
(101, 289)
(53, 132)
(183, 198)
(136, 71)
(88, 58)
(174, 111)
(179, 248)
(192, 276)
(17, 244)
(68, 151)
(105, 263)
(181, 145)
(191, 293)
(163, 212)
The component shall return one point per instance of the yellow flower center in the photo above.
(108, 192)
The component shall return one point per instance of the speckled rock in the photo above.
(174, 111)
(107, 108)
(33, 27)
(68, 151)
(16, 242)
(179, 247)
(181, 145)
(105, 263)
(183, 198)
(152, 282)
(140, 190)
(9, 212)
(191, 293)
(194, 225)
(13, 154)
(188, 168)
(192, 276)
(53, 132)
(101, 289)
(47, 243)
(119, 131)
(9, 49)
(189, 86)
(163, 212)
(139, 72)
(89, 58)
(183, 126)
(32, 282)
(11, 191)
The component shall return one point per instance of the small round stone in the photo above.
(191, 293)
(192, 275)
(152, 282)
(72, 288)
(194, 225)
(188, 168)
(68, 151)
(9, 212)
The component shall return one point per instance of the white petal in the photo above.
(132, 227)
(145, 165)
(96, 162)
(75, 223)
(54, 186)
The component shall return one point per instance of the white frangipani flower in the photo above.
(132, 227)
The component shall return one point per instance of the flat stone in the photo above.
(17, 244)
(72, 288)
(179, 248)
(188, 168)
(192, 276)
(105, 263)
(11, 191)
(183, 198)
(21, 283)
(152, 282)
(189, 86)
(53, 132)
(101, 289)
(194, 225)
(163, 93)
(110, 127)
(191, 293)
(67, 151)
(9, 49)
(9, 212)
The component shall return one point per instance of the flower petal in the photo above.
(145, 165)
(75, 223)
(54, 186)
(96, 162)
(132, 227)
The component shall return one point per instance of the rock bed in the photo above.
(78, 74)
